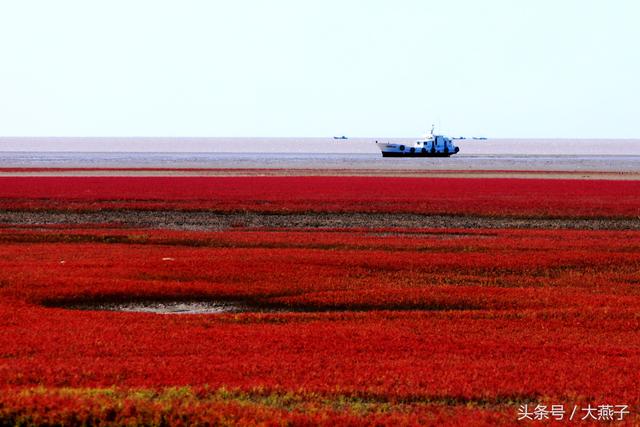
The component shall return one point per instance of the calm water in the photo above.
(319, 161)
(315, 153)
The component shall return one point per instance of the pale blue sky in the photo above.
(500, 68)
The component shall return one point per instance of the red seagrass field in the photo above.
(329, 300)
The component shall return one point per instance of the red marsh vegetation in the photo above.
(331, 326)
(459, 196)
(395, 326)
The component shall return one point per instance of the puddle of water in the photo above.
(165, 307)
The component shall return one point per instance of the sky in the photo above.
(233, 68)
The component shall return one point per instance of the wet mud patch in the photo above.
(207, 306)
(161, 307)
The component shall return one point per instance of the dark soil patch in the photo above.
(176, 220)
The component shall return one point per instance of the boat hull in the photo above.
(415, 154)
(434, 147)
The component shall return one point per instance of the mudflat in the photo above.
(213, 221)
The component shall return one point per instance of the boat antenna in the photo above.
(432, 128)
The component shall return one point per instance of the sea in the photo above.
(613, 155)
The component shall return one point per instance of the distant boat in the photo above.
(340, 137)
